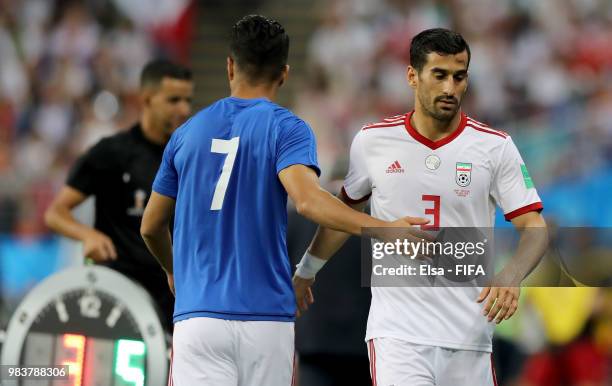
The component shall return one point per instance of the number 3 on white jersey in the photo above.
(229, 147)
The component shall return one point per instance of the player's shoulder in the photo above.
(284, 117)
(386, 123)
(209, 111)
(261, 109)
(204, 117)
(484, 131)
(370, 133)
(281, 112)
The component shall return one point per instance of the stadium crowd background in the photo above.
(540, 70)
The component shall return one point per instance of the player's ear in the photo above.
(411, 76)
(230, 68)
(284, 75)
(145, 96)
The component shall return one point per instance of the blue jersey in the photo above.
(229, 244)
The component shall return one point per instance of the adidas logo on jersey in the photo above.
(395, 167)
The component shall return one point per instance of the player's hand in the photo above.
(170, 277)
(501, 304)
(407, 230)
(403, 229)
(98, 247)
(303, 293)
(407, 222)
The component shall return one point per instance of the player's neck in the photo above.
(432, 128)
(243, 90)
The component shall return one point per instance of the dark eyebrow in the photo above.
(440, 70)
(444, 71)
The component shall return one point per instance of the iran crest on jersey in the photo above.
(454, 182)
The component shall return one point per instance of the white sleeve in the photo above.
(513, 189)
(357, 184)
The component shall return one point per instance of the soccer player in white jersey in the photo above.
(438, 163)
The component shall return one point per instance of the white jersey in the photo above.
(454, 182)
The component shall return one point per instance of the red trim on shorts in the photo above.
(493, 371)
(374, 351)
(372, 361)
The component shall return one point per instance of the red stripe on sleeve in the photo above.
(488, 131)
(535, 207)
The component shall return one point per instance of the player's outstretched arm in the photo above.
(59, 218)
(326, 242)
(318, 205)
(504, 293)
(335, 218)
(155, 229)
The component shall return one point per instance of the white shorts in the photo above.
(219, 352)
(394, 362)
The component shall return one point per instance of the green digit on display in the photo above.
(129, 363)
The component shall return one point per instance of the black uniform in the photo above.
(119, 171)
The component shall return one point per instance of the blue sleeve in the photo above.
(297, 145)
(166, 180)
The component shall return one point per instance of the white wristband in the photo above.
(309, 266)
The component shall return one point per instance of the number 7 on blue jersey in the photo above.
(229, 147)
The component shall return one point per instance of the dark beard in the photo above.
(441, 116)
(444, 117)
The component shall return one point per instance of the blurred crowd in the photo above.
(69, 73)
(540, 70)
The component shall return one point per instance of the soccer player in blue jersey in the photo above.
(225, 175)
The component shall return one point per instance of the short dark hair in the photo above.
(156, 70)
(260, 48)
(439, 40)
